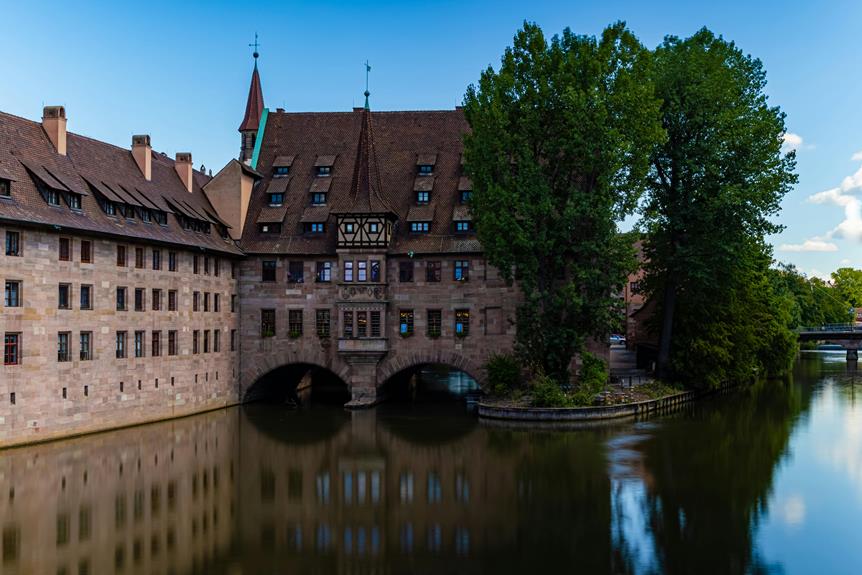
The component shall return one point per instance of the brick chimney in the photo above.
(183, 166)
(143, 154)
(54, 124)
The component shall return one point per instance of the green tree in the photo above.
(809, 301)
(558, 152)
(848, 286)
(714, 184)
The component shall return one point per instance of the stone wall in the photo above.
(105, 391)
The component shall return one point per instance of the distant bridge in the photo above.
(847, 335)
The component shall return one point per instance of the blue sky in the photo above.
(180, 72)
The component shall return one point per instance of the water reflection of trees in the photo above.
(710, 477)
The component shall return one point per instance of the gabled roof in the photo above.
(94, 169)
(375, 158)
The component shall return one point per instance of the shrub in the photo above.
(593, 378)
(547, 392)
(504, 373)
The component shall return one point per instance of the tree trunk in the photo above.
(668, 308)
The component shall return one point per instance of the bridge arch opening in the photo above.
(299, 384)
(430, 382)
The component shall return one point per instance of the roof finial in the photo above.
(367, 93)
(256, 45)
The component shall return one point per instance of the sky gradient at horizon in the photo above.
(180, 72)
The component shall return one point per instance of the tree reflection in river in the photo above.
(408, 488)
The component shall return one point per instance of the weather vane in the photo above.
(367, 93)
(256, 45)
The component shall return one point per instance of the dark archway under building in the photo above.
(299, 384)
(430, 382)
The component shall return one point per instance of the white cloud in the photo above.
(857, 157)
(815, 273)
(790, 142)
(812, 245)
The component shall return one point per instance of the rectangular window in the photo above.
(233, 303)
(86, 296)
(463, 227)
(64, 296)
(375, 324)
(12, 295)
(295, 273)
(206, 341)
(172, 261)
(139, 299)
(324, 171)
(233, 270)
(233, 340)
(86, 338)
(466, 196)
(52, 197)
(435, 323)
(86, 252)
(267, 273)
(422, 197)
(196, 264)
(324, 271)
(348, 271)
(361, 324)
(276, 199)
(121, 256)
(196, 343)
(318, 198)
(322, 323)
(419, 227)
(405, 322)
(374, 270)
(216, 302)
(172, 342)
(294, 322)
(462, 322)
(172, 300)
(347, 328)
(461, 270)
(196, 301)
(121, 299)
(282, 170)
(267, 323)
(5, 187)
(405, 271)
(216, 267)
(426, 169)
(272, 228)
(63, 351)
(157, 259)
(11, 348)
(139, 344)
(433, 271)
(362, 271)
(216, 341)
(121, 345)
(206, 301)
(157, 300)
(139, 258)
(65, 249)
(314, 228)
(13, 244)
(206, 265)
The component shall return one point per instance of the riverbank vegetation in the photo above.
(571, 135)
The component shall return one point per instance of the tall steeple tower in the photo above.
(253, 111)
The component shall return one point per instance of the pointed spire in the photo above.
(366, 189)
(367, 93)
(254, 105)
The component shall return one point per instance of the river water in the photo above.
(765, 480)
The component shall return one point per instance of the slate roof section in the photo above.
(92, 167)
(399, 139)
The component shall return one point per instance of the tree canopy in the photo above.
(558, 153)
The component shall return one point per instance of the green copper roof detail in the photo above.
(256, 153)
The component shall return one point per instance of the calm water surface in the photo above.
(768, 480)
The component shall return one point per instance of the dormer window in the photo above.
(323, 171)
(466, 196)
(109, 207)
(281, 166)
(145, 216)
(74, 201)
(426, 170)
(282, 171)
(463, 227)
(5, 188)
(318, 198)
(276, 199)
(272, 228)
(420, 227)
(52, 197)
(314, 228)
(423, 198)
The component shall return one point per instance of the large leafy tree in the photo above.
(558, 152)
(715, 184)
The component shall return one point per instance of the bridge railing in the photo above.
(831, 328)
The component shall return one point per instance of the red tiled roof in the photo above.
(254, 105)
(112, 172)
(396, 143)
